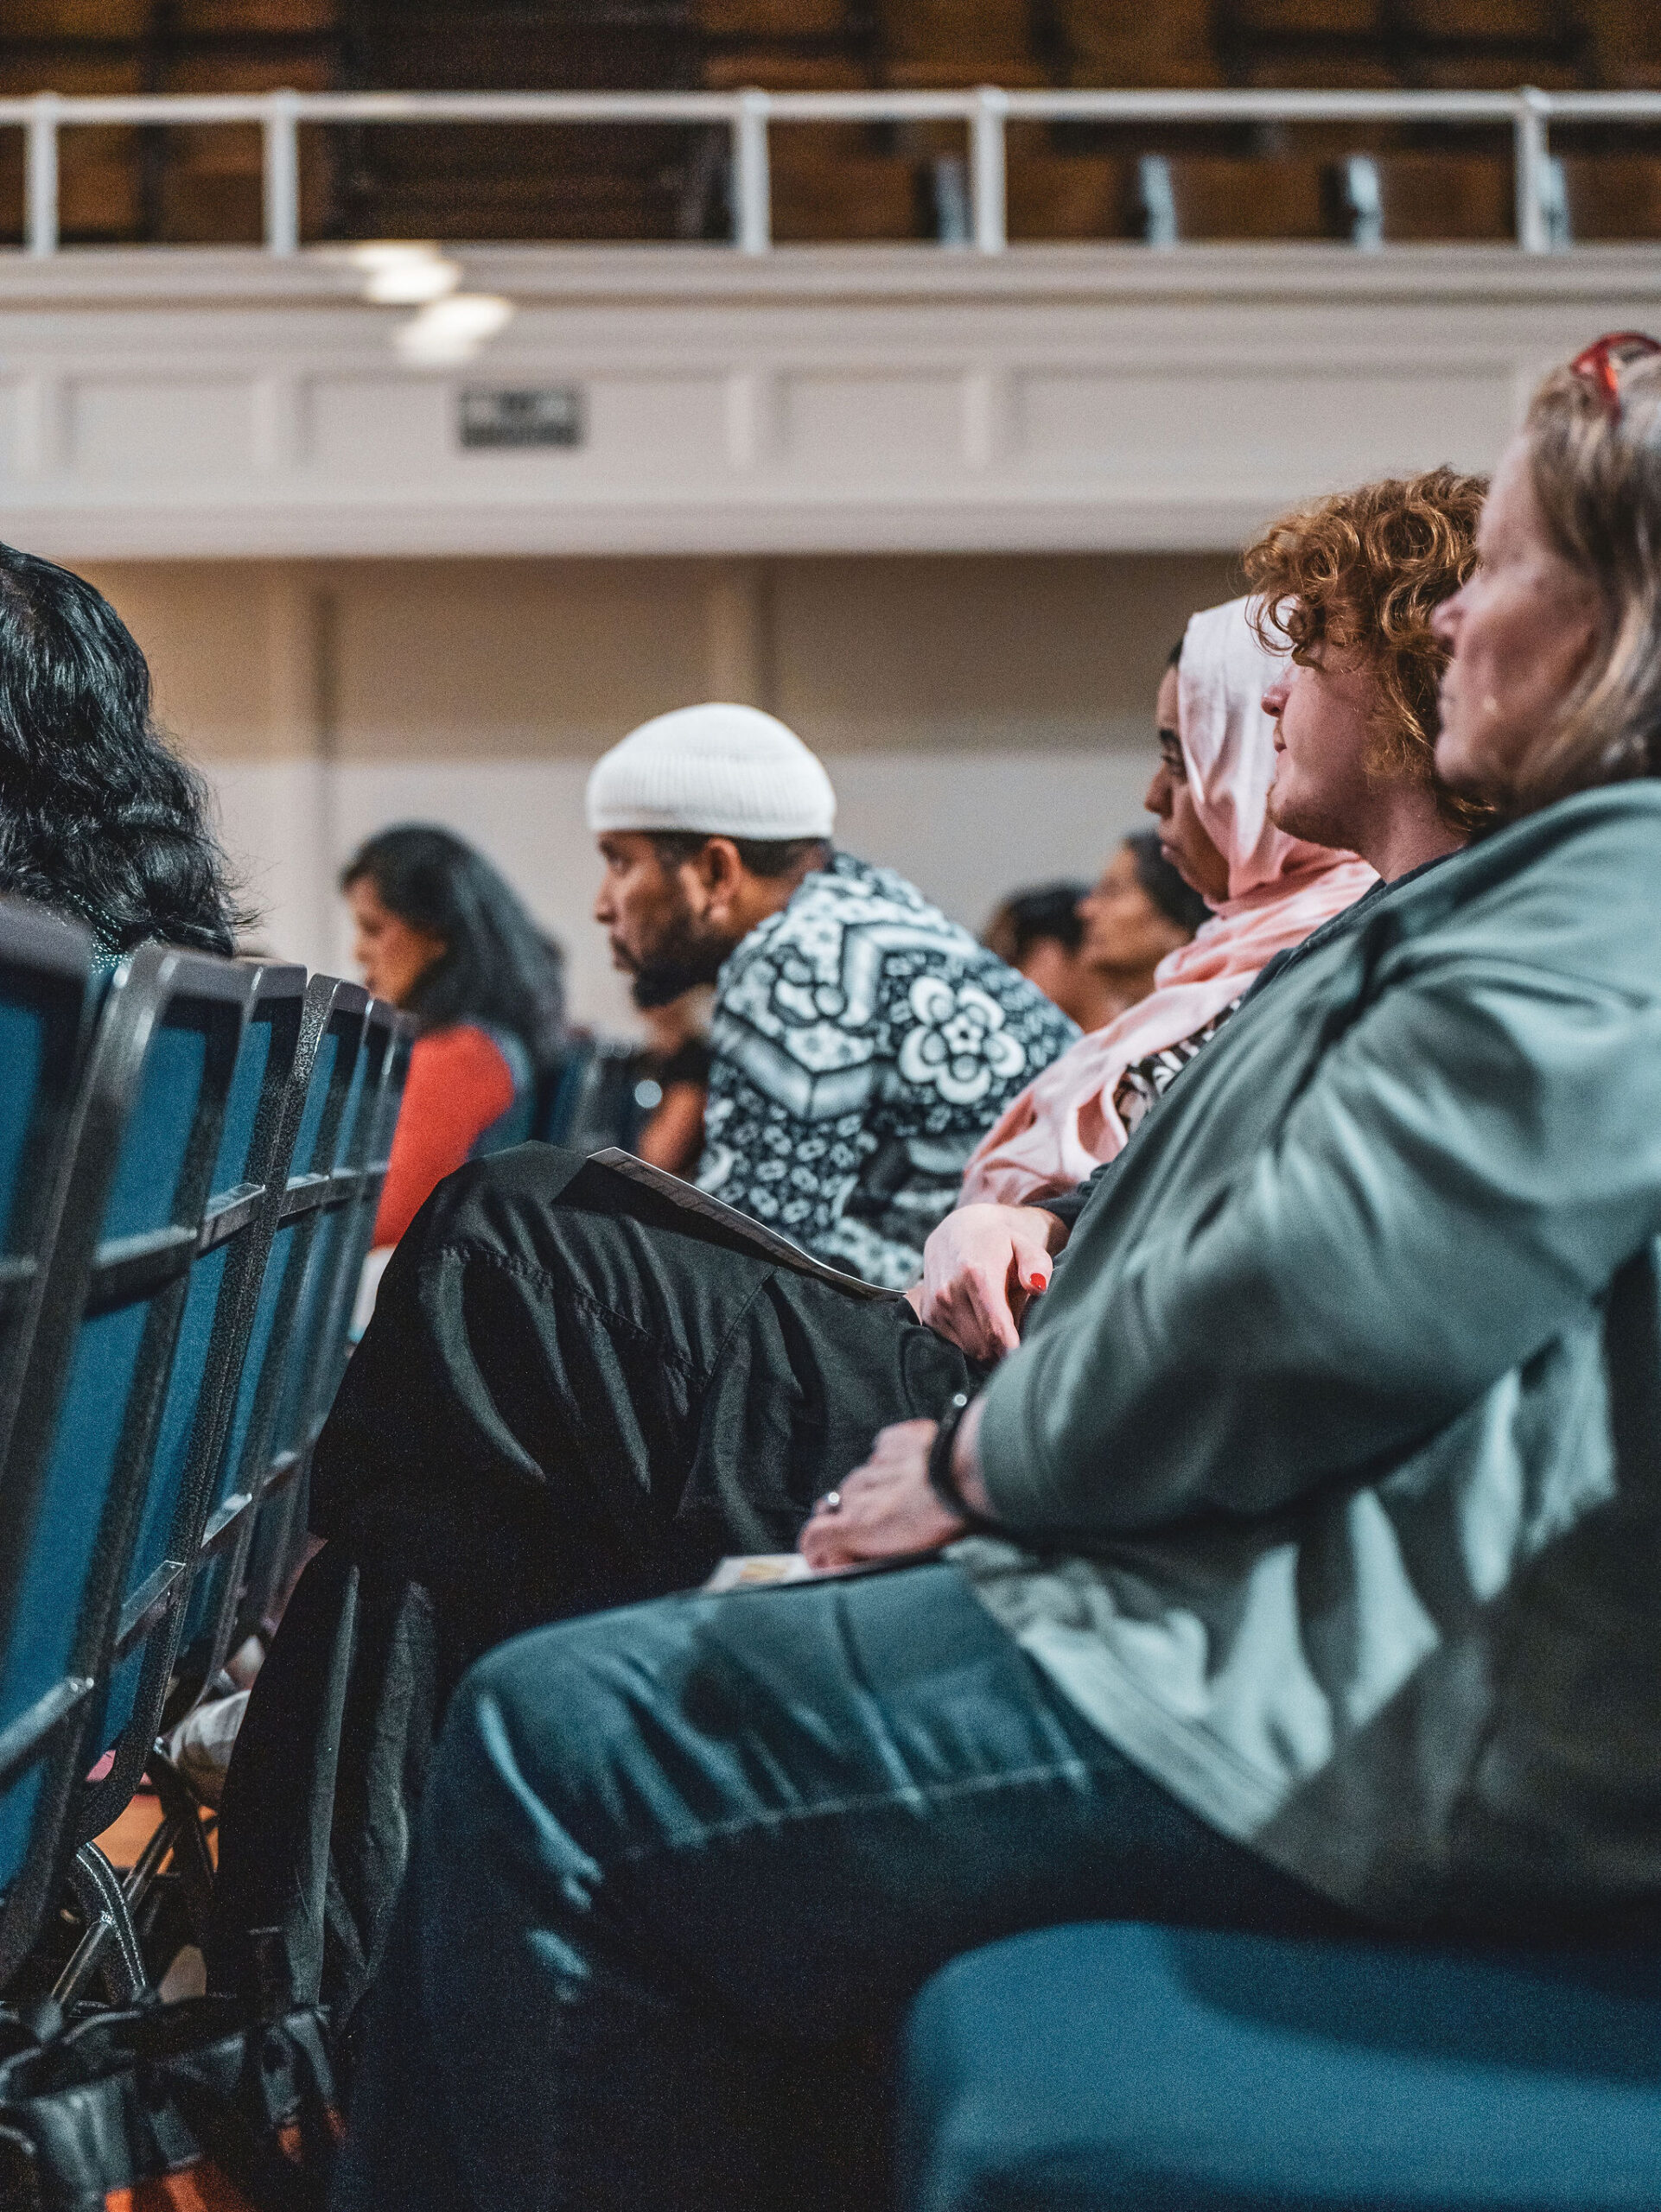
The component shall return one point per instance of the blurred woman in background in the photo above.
(1139, 909)
(1092, 949)
(672, 1082)
(1037, 933)
(441, 935)
(98, 818)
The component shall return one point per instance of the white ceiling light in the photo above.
(404, 274)
(413, 283)
(450, 330)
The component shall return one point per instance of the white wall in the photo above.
(911, 500)
(181, 403)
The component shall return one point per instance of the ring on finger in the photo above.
(831, 1502)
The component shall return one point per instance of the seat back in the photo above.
(589, 1101)
(351, 1223)
(84, 1438)
(46, 1008)
(255, 1454)
(389, 1038)
(321, 1336)
(249, 1178)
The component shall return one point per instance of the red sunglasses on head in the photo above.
(1597, 364)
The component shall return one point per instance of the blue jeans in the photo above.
(682, 1866)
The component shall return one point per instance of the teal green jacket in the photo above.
(1337, 1438)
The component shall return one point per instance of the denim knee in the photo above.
(566, 1720)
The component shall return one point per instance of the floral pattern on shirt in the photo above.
(960, 1044)
(863, 1046)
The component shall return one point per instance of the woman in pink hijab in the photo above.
(1267, 891)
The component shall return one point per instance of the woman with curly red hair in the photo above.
(1353, 585)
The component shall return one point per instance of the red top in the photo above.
(459, 1083)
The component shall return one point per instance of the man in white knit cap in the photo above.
(677, 899)
(862, 1042)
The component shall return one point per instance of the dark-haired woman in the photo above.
(1139, 909)
(440, 934)
(98, 818)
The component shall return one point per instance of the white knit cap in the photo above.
(723, 771)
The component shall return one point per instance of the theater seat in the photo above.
(1265, 197)
(826, 185)
(1613, 196)
(1070, 196)
(1430, 196)
(1153, 2068)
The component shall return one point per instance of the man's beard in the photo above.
(679, 963)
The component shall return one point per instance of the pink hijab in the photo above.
(1064, 1125)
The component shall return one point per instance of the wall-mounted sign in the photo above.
(550, 417)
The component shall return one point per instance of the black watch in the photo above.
(943, 1482)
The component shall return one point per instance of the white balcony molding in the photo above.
(173, 402)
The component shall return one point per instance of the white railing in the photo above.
(749, 117)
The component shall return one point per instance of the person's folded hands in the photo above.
(883, 1508)
(981, 1267)
(888, 1507)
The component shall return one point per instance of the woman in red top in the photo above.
(440, 934)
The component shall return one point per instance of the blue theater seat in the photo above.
(1158, 2069)
(320, 1345)
(189, 1172)
(80, 1448)
(259, 1460)
(224, 1283)
(48, 999)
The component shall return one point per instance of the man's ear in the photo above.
(719, 873)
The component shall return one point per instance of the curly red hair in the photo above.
(1364, 571)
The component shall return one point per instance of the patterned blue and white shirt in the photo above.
(863, 1046)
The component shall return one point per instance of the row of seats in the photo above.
(190, 1158)
(819, 193)
(1379, 42)
(202, 184)
(1076, 38)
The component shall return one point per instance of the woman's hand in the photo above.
(981, 1267)
(887, 1507)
